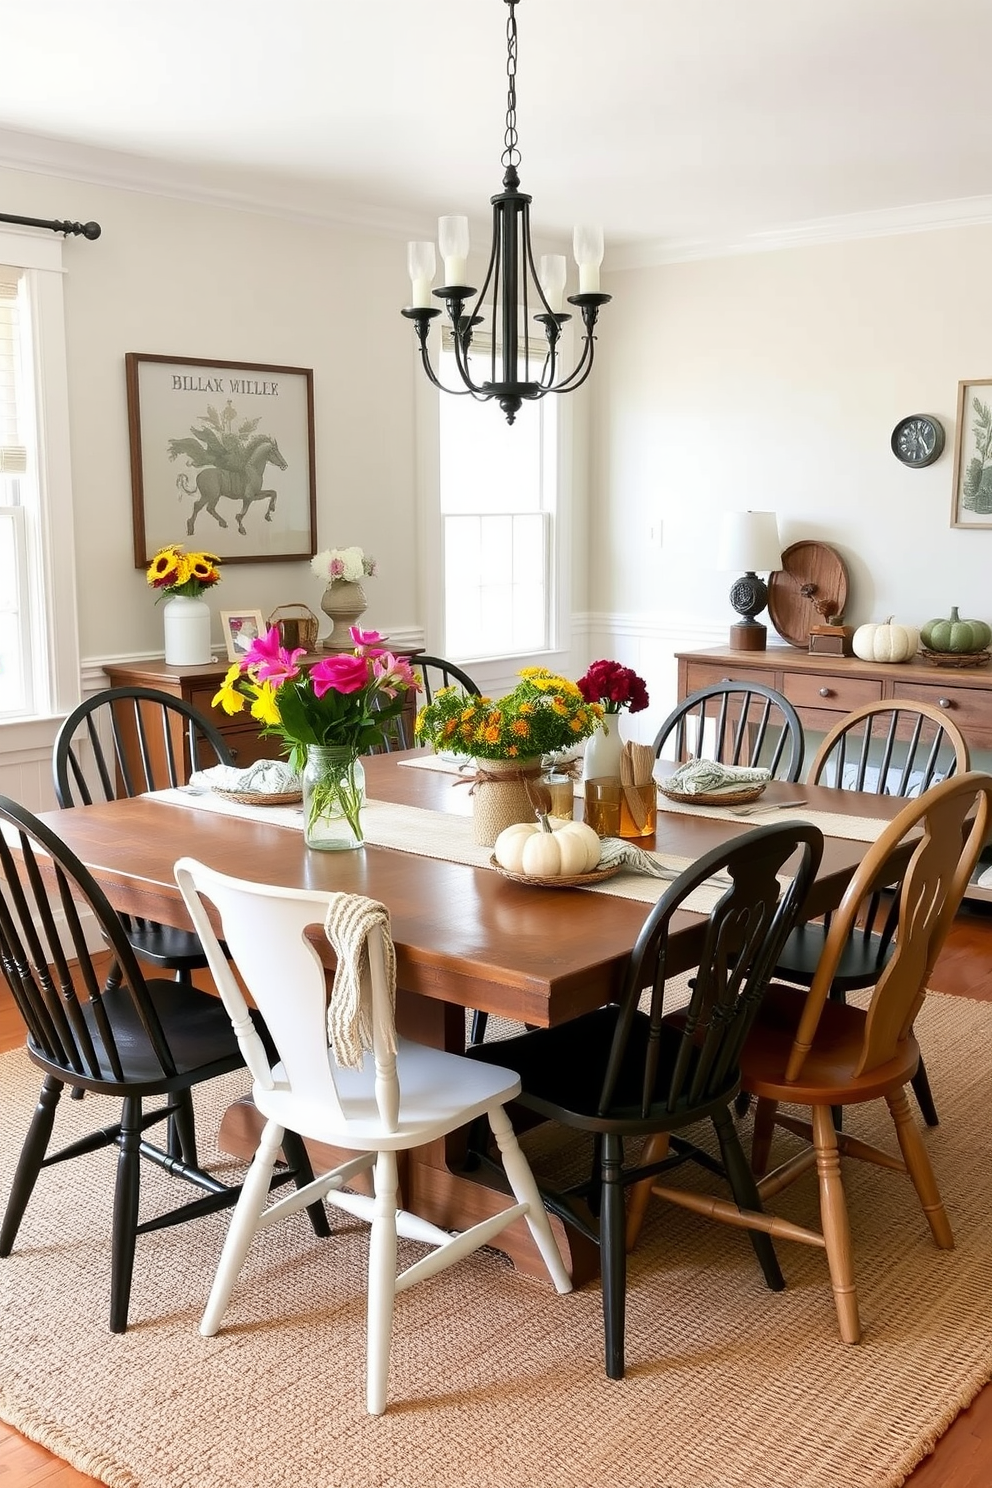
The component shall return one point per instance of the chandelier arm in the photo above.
(581, 370)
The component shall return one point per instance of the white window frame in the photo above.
(497, 673)
(49, 543)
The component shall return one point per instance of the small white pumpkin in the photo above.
(527, 848)
(885, 643)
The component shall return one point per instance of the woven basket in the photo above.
(715, 798)
(563, 881)
(297, 625)
(956, 658)
(259, 798)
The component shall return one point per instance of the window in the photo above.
(16, 672)
(499, 533)
(39, 655)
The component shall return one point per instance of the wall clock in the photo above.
(917, 440)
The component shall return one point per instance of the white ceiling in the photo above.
(677, 123)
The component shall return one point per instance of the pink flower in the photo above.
(392, 673)
(365, 638)
(343, 673)
(336, 568)
(270, 662)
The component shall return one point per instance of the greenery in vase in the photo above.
(543, 714)
(333, 790)
(347, 700)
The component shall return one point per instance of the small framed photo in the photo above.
(971, 503)
(241, 628)
(222, 458)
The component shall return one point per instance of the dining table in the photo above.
(466, 937)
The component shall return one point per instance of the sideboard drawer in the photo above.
(832, 693)
(709, 676)
(969, 707)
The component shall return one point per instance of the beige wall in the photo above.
(184, 279)
(773, 381)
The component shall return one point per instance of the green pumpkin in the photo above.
(956, 634)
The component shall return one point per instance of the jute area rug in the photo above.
(496, 1381)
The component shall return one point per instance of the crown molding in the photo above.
(315, 203)
(968, 211)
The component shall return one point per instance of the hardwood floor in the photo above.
(962, 1457)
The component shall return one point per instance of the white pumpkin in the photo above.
(885, 643)
(569, 848)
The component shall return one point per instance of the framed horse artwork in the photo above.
(225, 450)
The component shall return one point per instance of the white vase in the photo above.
(601, 760)
(187, 631)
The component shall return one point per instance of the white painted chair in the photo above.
(397, 1101)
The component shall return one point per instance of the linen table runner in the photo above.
(442, 835)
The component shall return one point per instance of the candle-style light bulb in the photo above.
(452, 237)
(421, 264)
(587, 243)
(552, 276)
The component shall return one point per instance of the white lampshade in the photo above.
(749, 542)
(554, 272)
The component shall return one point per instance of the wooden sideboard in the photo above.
(198, 685)
(822, 689)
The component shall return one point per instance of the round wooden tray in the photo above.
(817, 568)
(573, 881)
(715, 798)
(259, 798)
(956, 658)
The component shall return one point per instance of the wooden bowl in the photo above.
(562, 881)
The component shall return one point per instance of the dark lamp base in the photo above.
(748, 635)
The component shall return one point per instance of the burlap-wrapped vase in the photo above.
(499, 796)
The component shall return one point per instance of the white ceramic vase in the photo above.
(344, 603)
(187, 631)
(601, 760)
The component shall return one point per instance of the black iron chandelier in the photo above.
(515, 284)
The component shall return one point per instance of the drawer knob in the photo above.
(826, 692)
(944, 703)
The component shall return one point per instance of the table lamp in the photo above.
(749, 540)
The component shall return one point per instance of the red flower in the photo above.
(614, 686)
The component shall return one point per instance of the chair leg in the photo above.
(477, 1028)
(745, 1192)
(382, 1283)
(30, 1161)
(655, 1149)
(836, 1228)
(525, 1190)
(613, 1256)
(918, 1163)
(924, 1096)
(296, 1155)
(761, 1140)
(125, 1213)
(244, 1223)
(181, 1129)
(742, 1102)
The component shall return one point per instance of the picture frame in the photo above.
(222, 458)
(241, 628)
(971, 500)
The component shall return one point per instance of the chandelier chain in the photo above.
(511, 155)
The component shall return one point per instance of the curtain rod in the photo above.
(88, 229)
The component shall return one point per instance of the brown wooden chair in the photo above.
(805, 1049)
(897, 748)
(737, 723)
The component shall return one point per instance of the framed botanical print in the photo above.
(971, 503)
(222, 458)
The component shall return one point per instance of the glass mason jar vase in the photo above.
(333, 797)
